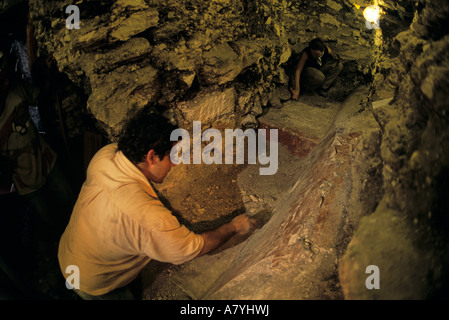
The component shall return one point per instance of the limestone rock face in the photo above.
(134, 87)
(170, 51)
(209, 106)
(223, 62)
(130, 18)
(411, 225)
(403, 264)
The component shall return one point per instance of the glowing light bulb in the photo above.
(372, 16)
(372, 13)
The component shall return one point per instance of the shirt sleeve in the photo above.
(172, 242)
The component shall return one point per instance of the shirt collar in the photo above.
(133, 172)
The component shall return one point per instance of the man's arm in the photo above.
(302, 61)
(215, 238)
(333, 55)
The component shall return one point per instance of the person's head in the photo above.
(317, 47)
(145, 141)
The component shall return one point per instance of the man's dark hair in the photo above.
(317, 44)
(145, 131)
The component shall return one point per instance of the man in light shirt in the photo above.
(118, 223)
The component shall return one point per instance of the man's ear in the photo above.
(151, 157)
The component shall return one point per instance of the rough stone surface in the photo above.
(208, 107)
(319, 198)
(407, 235)
(399, 278)
(194, 45)
(223, 62)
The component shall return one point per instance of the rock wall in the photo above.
(229, 54)
(221, 61)
(407, 235)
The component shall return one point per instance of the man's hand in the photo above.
(213, 239)
(295, 93)
(243, 224)
(337, 57)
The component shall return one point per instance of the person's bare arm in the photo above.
(333, 55)
(215, 238)
(299, 67)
